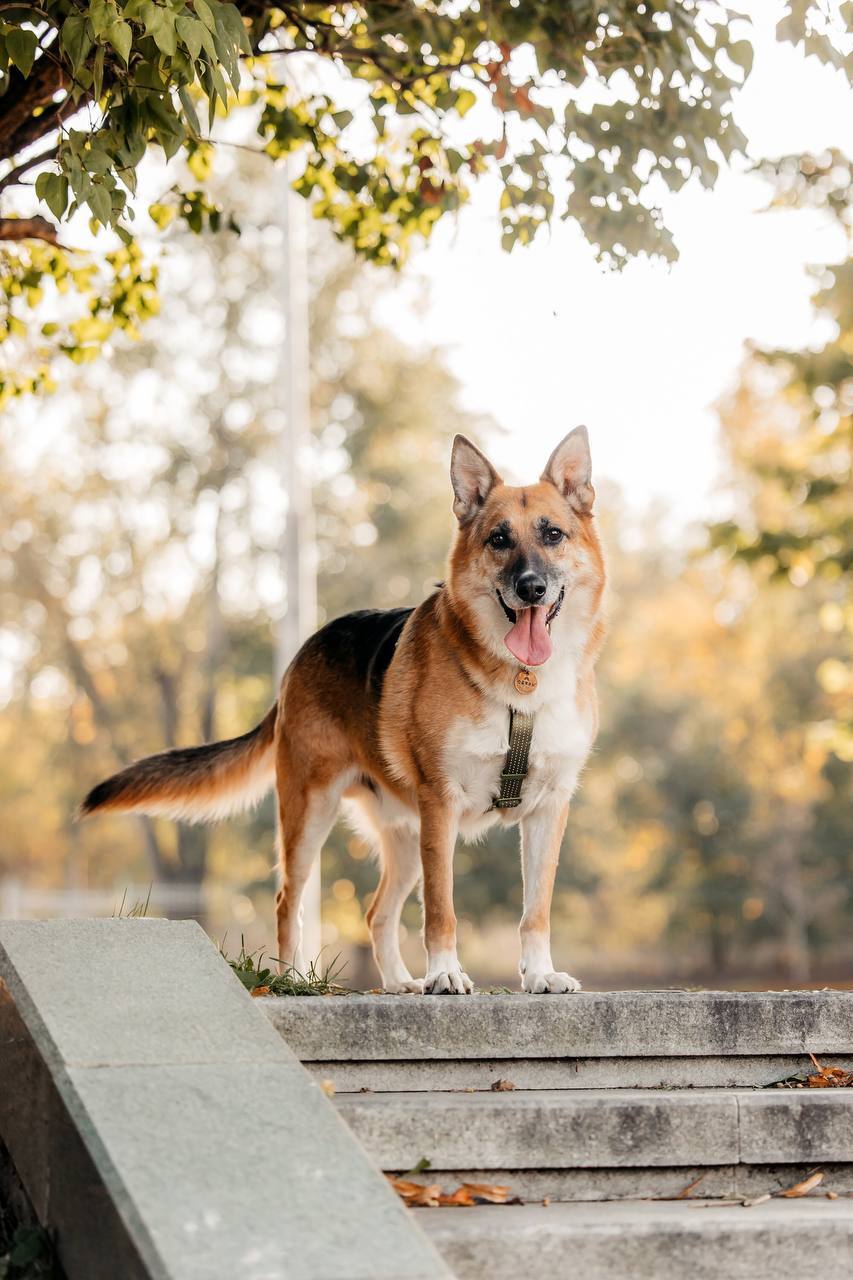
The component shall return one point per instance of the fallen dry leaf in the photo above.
(328, 1087)
(413, 1193)
(546, 1202)
(750, 1204)
(831, 1078)
(485, 1191)
(820, 1078)
(831, 1195)
(260, 991)
(465, 1196)
(461, 1197)
(691, 1186)
(804, 1187)
(501, 1086)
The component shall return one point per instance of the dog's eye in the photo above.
(498, 541)
(553, 535)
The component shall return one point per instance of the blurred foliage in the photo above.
(788, 427)
(140, 580)
(392, 112)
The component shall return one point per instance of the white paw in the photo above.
(445, 982)
(557, 983)
(415, 985)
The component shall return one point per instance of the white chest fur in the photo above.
(476, 750)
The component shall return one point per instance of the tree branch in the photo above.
(36, 228)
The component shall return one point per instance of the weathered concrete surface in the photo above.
(628, 1024)
(609, 1128)
(434, 1075)
(163, 1129)
(554, 1130)
(647, 1241)
(796, 1124)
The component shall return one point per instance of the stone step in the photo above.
(601, 1128)
(441, 1076)
(646, 1241)
(618, 1024)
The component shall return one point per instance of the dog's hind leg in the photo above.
(401, 870)
(306, 818)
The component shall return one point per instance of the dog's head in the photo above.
(525, 555)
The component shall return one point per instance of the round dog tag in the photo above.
(525, 681)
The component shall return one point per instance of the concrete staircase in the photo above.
(638, 1124)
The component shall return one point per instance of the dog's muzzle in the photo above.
(552, 612)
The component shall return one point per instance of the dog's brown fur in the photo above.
(384, 746)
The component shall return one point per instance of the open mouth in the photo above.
(550, 616)
(529, 637)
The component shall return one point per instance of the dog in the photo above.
(404, 716)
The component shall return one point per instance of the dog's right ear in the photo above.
(472, 476)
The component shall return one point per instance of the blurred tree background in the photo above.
(711, 838)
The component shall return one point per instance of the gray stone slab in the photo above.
(432, 1075)
(555, 1130)
(163, 1129)
(646, 1241)
(129, 991)
(643, 1024)
(796, 1124)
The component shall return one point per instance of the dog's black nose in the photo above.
(529, 587)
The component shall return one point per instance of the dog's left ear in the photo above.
(570, 469)
(472, 476)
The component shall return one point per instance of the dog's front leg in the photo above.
(541, 836)
(438, 840)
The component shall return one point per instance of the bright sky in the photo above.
(544, 338)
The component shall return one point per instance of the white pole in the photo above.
(299, 559)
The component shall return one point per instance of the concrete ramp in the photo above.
(164, 1130)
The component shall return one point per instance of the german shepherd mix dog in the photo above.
(405, 714)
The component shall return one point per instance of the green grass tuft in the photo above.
(254, 974)
(137, 911)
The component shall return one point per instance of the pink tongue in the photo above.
(528, 640)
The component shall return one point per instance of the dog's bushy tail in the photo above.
(193, 784)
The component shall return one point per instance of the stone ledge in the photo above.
(602, 1128)
(442, 1075)
(646, 1241)
(587, 1025)
(164, 1130)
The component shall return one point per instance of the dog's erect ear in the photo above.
(570, 469)
(472, 476)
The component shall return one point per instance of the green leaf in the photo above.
(96, 160)
(465, 100)
(190, 33)
(76, 40)
(21, 46)
(161, 25)
(100, 204)
(742, 53)
(98, 73)
(101, 15)
(205, 12)
(56, 194)
(189, 108)
(120, 36)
